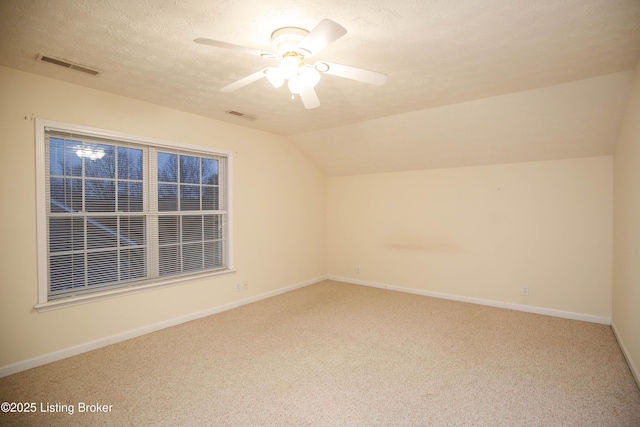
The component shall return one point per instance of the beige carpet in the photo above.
(334, 354)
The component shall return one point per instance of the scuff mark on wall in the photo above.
(431, 245)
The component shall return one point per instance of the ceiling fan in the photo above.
(294, 46)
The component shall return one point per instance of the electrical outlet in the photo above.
(238, 287)
(525, 290)
(357, 269)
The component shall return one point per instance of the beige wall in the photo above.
(280, 216)
(481, 232)
(478, 232)
(626, 236)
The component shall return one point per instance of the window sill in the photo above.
(113, 293)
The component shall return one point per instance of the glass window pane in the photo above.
(66, 234)
(72, 161)
(56, 156)
(129, 163)
(77, 232)
(212, 227)
(167, 197)
(189, 170)
(208, 227)
(130, 196)
(168, 229)
(102, 233)
(132, 231)
(100, 196)
(167, 167)
(96, 166)
(133, 264)
(210, 171)
(213, 254)
(191, 228)
(169, 260)
(102, 267)
(65, 194)
(57, 195)
(66, 272)
(189, 197)
(210, 200)
(192, 257)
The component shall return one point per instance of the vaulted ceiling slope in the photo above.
(436, 54)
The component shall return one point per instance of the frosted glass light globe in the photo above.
(289, 66)
(310, 76)
(296, 84)
(275, 77)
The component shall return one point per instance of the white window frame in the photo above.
(44, 304)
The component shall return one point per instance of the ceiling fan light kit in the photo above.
(293, 45)
(309, 75)
(290, 64)
(275, 77)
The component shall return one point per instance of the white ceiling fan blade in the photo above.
(244, 81)
(325, 33)
(309, 98)
(353, 73)
(237, 48)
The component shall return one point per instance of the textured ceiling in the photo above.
(436, 53)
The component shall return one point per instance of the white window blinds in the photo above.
(191, 212)
(122, 213)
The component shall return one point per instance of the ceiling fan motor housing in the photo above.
(287, 39)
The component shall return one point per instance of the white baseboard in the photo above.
(625, 352)
(499, 304)
(123, 336)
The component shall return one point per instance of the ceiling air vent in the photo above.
(241, 115)
(67, 64)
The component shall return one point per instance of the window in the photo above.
(119, 213)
